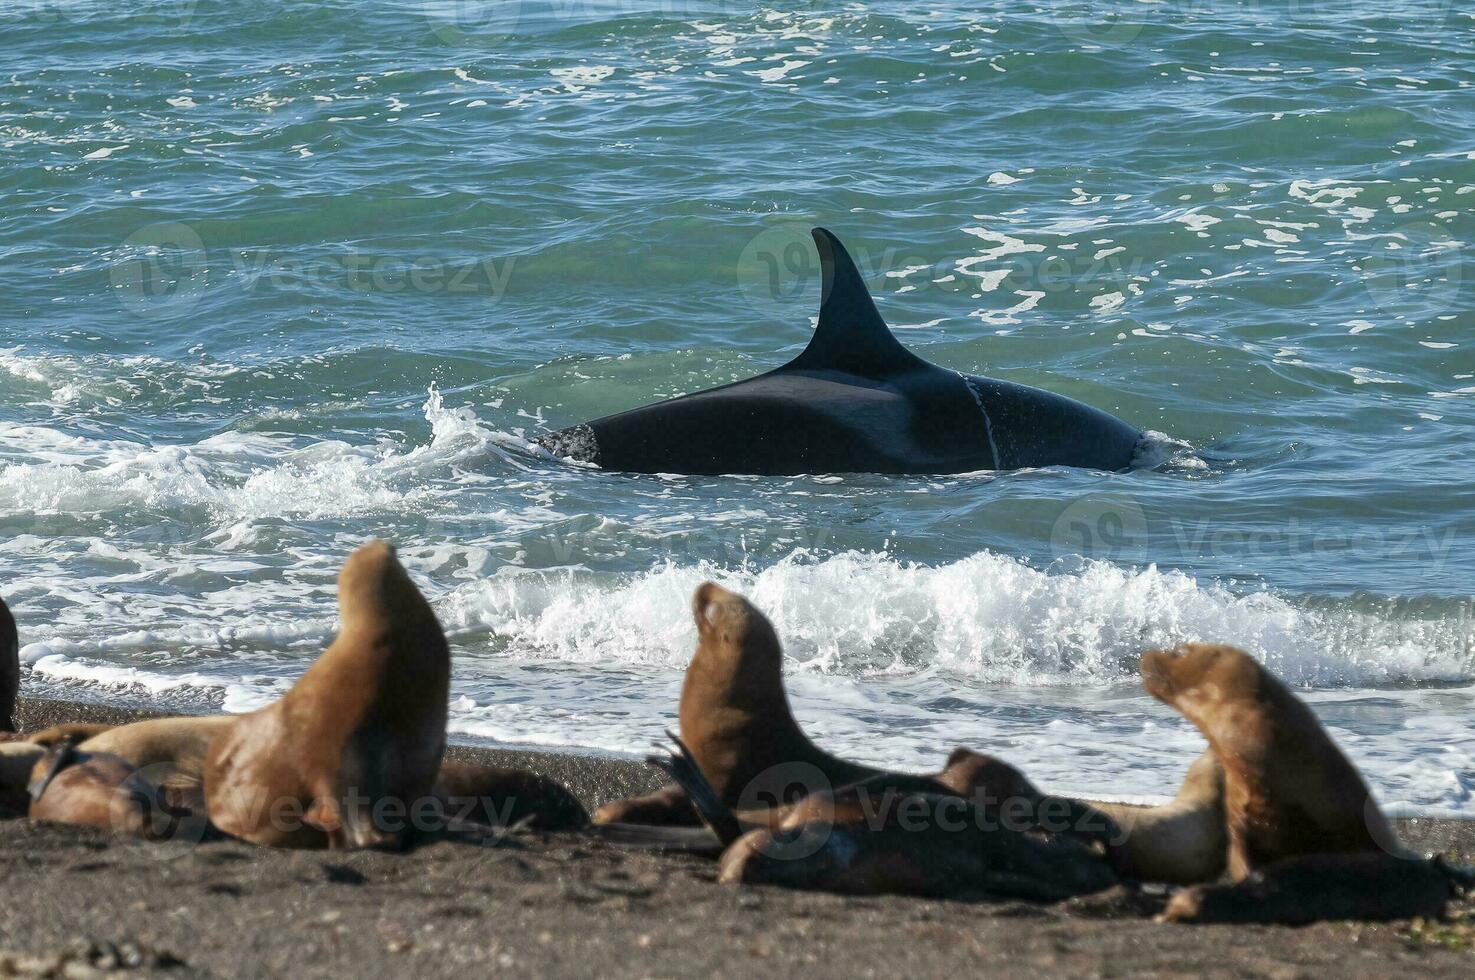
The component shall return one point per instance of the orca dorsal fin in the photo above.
(851, 335)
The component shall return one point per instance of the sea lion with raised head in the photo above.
(736, 721)
(349, 756)
(9, 668)
(1288, 790)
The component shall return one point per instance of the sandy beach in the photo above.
(574, 905)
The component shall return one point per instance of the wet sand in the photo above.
(573, 905)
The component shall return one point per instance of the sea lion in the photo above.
(100, 790)
(349, 756)
(170, 748)
(17, 759)
(1182, 842)
(75, 732)
(1288, 789)
(9, 668)
(501, 797)
(1369, 887)
(1000, 792)
(894, 834)
(735, 719)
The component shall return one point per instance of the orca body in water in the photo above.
(855, 401)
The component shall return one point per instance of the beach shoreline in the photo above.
(575, 905)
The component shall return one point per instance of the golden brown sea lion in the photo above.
(99, 790)
(735, 719)
(1182, 842)
(168, 747)
(349, 756)
(74, 732)
(9, 668)
(1288, 789)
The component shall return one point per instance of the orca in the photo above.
(855, 401)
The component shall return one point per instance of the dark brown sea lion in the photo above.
(17, 759)
(99, 790)
(1288, 789)
(9, 668)
(501, 797)
(1182, 842)
(735, 719)
(1313, 888)
(349, 756)
(894, 834)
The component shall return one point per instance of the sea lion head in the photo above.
(727, 618)
(739, 658)
(374, 589)
(974, 775)
(1193, 676)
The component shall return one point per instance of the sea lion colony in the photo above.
(1272, 824)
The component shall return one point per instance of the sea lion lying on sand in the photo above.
(886, 835)
(1315, 887)
(99, 790)
(501, 797)
(735, 719)
(9, 668)
(173, 752)
(349, 756)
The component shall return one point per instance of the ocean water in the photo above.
(282, 277)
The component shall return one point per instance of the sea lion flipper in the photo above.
(683, 769)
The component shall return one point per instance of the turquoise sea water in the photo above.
(281, 277)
